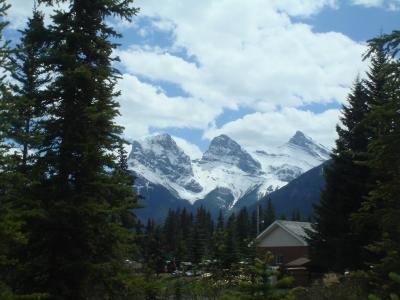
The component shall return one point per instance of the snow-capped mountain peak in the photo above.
(226, 170)
(223, 149)
(307, 144)
(159, 159)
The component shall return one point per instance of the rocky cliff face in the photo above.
(225, 166)
(225, 150)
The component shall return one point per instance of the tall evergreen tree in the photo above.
(9, 228)
(80, 243)
(31, 76)
(269, 214)
(254, 223)
(382, 206)
(377, 88)
(201, 233)
(25, 110)
(231, 253)
(243, 231)
(334, 244)
(219, 238)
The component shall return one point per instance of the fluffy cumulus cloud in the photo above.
(270, 129)
(243, 54)
(236, 54)
(144, 106)
(190, 149)
(249, 53)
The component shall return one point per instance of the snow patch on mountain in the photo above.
(224, 166)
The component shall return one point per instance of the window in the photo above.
(278, 259)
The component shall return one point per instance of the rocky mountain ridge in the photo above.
(226, 174)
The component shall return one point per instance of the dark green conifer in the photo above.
(334, 245)
(243, 231)
(82, 240)
(381, 208)
(31, 75)
(10, 227)
(231, 252)
(269, 214)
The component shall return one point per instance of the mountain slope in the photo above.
(226, 177)
(299, 194)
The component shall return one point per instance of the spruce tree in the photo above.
(219, 238)
(377, 89)
(269, 214)
(10, 227)
(254, 223)
(243, 231)
(31, 76)
(171, 234)
(80, 243)
(381, 208)
(231, 252)
(334, 245)
(25, 109)
(12, 182)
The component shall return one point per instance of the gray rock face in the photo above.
(162, 155)
(287, 172)
(226, 176)
(307, 144)
(225, 150)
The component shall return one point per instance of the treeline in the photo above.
(358, 219)
(66, 195)
(188, 237)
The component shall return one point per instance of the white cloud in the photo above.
(303, 8)
(21, 10)
(248, 54)
(190, 149)
(387, 4)
(144, 106)
(368, 3)
(263, 130)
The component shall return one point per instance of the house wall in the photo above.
(278, 237)
(288, 253)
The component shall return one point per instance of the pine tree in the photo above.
(382, 206)
(377, 87)
(219, 238)
(24, 110)
(269, 214)
(334, 244)
(243, 230)
(31, 76)
(186, 224)
(171, 234)
(220, 221)
(80, 244)
(4, 95)
(153, 249)
(201, 233)
(10, 234)
(231, 253)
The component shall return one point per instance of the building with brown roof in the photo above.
(287, 241)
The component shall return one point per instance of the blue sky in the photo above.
(256, 70)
